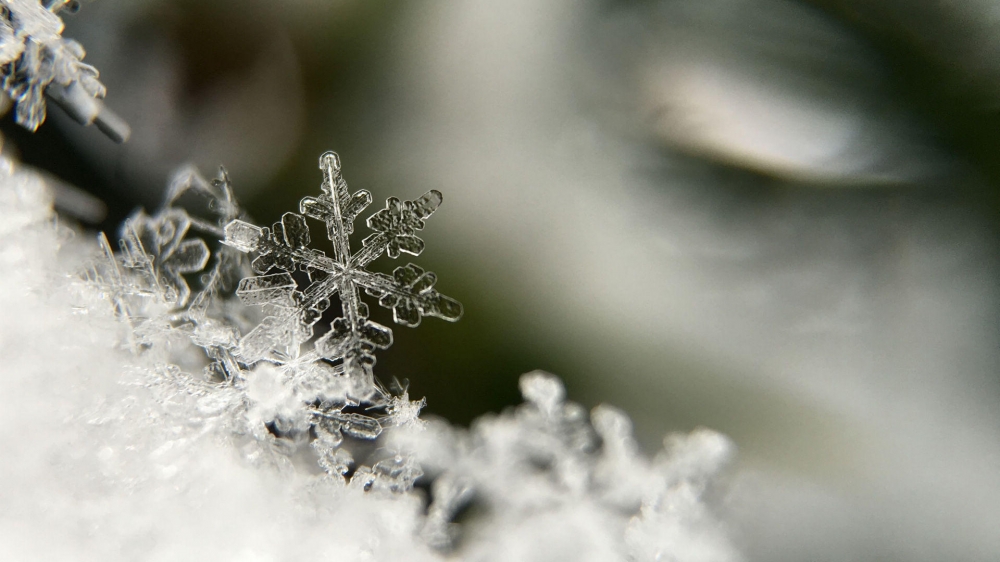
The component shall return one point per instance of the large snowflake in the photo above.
(292, 311)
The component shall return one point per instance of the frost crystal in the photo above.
(292, 312)
(35, 60)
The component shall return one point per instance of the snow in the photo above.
(131, 430)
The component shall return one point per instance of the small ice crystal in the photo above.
(336, 462)
(396, 474)
(243, 236)
(36, 61)
(358, 426)
(283, 248)
(401, 411)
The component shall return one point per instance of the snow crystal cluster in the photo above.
(36, 61)
(188, 397)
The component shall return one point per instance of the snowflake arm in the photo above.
(411, 296)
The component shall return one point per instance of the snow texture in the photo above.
(131, 430)
(37, 61)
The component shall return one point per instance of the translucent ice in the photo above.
(242, 236)
(283, 248)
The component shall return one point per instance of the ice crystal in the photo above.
(147, 283)
(292, 312)
(37, 61)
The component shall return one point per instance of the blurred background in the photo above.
(774, 218)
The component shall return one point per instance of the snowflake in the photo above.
(292, 313)
(35, 61)
(147, 282)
